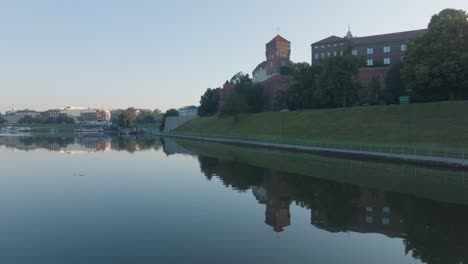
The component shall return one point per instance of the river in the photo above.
(159, 200)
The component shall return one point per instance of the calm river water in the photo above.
(101, 200)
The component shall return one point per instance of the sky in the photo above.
(164, 54)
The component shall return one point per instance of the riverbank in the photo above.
(434, 129)
(410, 158)
(46, 129)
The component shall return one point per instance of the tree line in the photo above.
(435, 68)
(244, 97)
(132, 117)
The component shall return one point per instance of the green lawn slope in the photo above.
(438, 125)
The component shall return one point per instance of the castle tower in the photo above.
(278, 53)
(349, 35)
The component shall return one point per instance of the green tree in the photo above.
(65, 120)
(157, 114)
(253, 95)
(245, 98)
(27, 120)
(38, 119)
(394, 86)
(2, 120)
(436, 65)
(126, 119)
(337, 83)
(371, 95)
(240, 78)
(209, 102)
(170, 112)
(301, 94)
(148, 117)
(235, 104)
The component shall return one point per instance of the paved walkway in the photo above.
(432, 160)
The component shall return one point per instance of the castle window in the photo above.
(323, 55)
(387, 61)
(386, 49)
(385, 221)
(334, 45)
(283, 63)
(370, 62)
(354, 52)
(370, 51)
(369, 209)
(341, 53)
(386, 210)
(404, 47)
(316, 56)
(369, 219)
(335, 53)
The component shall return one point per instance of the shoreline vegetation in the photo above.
(437, 129)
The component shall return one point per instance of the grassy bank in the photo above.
(435, 125)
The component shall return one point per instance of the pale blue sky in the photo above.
(163, 54)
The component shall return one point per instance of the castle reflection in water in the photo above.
(432, 231)
(354, 209)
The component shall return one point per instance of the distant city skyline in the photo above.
(147, 54)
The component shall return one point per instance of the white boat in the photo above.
(15, 131)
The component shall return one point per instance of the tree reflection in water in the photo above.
(434, 232)
(82, 143)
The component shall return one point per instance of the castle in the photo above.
(268, 73)
(278, 54)
(380, 52)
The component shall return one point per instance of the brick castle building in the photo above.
(268, 73)
(379, 51)
(278, 54)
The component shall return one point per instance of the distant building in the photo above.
(51, 114)
(86, 114)
(12, 117)
(95, 115)
(75, 112)
(188, 111)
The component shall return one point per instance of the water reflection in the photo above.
(425, 209)
(434, 232)
(81, 144)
